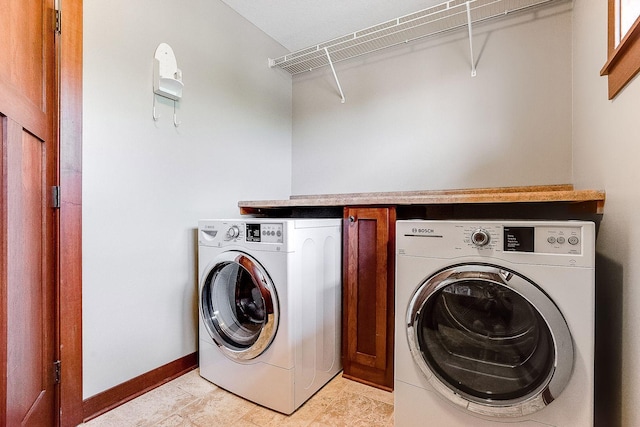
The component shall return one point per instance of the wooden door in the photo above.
(368, 295)
(28, 148)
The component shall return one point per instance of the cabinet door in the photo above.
(369, 246)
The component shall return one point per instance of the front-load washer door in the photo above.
(239, 305)
(489, 340)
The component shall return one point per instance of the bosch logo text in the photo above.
(422, 230)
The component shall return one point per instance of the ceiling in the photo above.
(297, 24)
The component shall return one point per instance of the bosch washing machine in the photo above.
(270, 307)
(494, 323)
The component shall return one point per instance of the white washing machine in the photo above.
(494, 323)
(270, 307)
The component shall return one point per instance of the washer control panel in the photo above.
(558, 240)
(533, 239)
(265, 232)
(219, 233)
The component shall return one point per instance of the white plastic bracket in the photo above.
(335, 76)
(473, 62)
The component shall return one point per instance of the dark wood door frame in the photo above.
(70, 226)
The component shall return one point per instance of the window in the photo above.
(623, 44)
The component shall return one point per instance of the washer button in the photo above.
(573, 240)
(233, 232)
(551, 239)
(560, 240)
(480, 237)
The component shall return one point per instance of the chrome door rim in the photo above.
(264, 284)
(556, 380)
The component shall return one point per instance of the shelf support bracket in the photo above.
(335, 76)
(473, 62)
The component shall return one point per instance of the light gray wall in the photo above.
(606, 152)
(414, 118)
(146, 183)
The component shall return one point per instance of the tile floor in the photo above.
(191, 401)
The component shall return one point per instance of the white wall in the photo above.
(146, 183)
(415, 119)
(606, 152)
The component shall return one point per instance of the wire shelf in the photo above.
(435, 20)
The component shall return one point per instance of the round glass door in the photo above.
(239, 306)
(489, 340)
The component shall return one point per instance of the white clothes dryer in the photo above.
(494, 323)
(270, 307)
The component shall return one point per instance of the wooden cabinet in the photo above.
(368, 295)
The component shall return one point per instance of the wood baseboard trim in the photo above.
(122, 393)
(369, 383)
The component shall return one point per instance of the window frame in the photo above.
(624, 59)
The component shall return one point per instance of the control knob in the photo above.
(480, 237)
(233, 232)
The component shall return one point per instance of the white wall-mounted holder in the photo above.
(167, 79)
